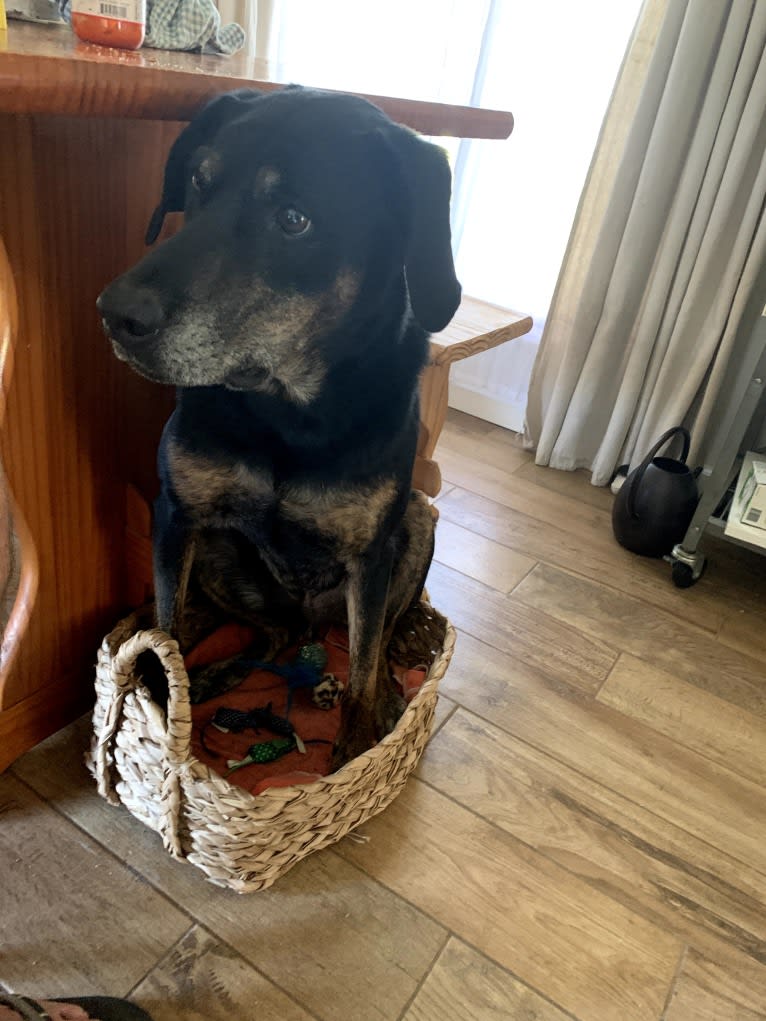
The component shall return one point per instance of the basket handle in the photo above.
(178, 726)
(650, 457)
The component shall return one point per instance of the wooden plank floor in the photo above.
(585, 837)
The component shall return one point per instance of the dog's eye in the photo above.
(293, 221)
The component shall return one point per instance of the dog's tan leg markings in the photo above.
(183, 586)
(366, 593)
(377, 594)
(409, 574)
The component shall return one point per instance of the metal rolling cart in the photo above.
(740, 422)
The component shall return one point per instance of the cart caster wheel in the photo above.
(685, 576)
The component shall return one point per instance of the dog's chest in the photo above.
(227, 493)
(218, 492)
(349, 516)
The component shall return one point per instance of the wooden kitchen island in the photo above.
(84, 133)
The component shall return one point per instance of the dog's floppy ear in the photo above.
(434, 288)
(199, 131)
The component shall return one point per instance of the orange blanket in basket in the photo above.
(258, 689)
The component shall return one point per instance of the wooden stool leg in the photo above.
(434, 393)
(477, 326)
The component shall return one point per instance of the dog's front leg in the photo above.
(364, 717)
(173, 554)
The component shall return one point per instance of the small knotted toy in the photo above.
(306, 671)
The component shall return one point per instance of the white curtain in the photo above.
(554, 64)
(257, 19)
(667, 246)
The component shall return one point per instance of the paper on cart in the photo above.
(736, 528)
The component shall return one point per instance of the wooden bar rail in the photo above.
(45, 69)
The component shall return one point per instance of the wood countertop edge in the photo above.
(32, 83)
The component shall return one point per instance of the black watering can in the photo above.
(656, 502)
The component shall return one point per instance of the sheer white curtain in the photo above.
(553, 64)
(419, 49)
(668, 247)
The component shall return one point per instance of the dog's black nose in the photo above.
(130, 315)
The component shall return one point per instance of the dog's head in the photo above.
(302, 209)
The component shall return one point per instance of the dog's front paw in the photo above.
(356, 736)
(206, 682)
(351, 745)
(345, 750)
(388, 712)
(362, 728)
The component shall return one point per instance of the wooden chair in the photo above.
(477, 326)
(19, 569)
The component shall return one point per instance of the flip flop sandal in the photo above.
(105, 1008)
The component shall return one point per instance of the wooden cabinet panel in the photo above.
(75, 196)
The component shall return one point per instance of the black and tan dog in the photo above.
(292, 312)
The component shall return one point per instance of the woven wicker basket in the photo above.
(141, 758)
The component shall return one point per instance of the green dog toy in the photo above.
(267, 751)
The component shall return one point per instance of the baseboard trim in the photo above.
(490, 409)
(46, 710)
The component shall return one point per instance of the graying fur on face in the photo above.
(270, 346)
